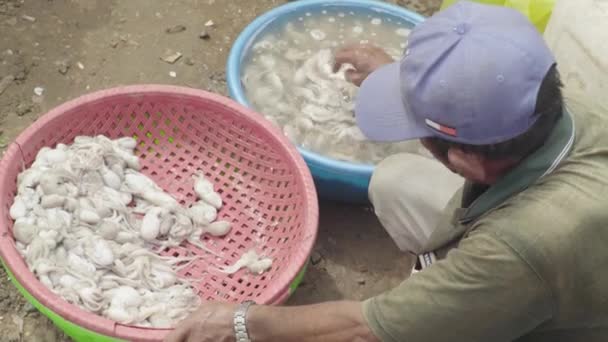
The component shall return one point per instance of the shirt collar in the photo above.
(541, 163)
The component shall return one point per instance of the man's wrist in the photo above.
(240, 320)
(258, 318)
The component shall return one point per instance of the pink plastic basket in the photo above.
(267, 189)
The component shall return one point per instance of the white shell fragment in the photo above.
(86, 221)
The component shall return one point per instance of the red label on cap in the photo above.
(441, 128)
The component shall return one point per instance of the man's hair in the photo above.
(549, 108)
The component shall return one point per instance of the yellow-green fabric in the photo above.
(537, 11)
(524, 260)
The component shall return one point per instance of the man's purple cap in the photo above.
(470, 74)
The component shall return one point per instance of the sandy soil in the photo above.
(71, 47)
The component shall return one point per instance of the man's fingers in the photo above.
(350, 74)
(347, 54)
(358, 79)
(348, 48)
(354, 77)
(356, 46)
(179, 334)
(342, 57)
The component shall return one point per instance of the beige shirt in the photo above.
(525, 260)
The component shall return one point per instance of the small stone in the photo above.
(24, 108)
(29, 308)
(363, 269)
(361, 281)
(39, 91)
(28, 18)
(63, 67)
(80, 66)
(37, 99)
(189, 61)
(171, 57)
(11, 21)
(5, 82)
(316, 258)
(210, 23)
(18, 320)
(114, 43)
(21, 75)
(175, 29)
(172, 74)
(204, 35)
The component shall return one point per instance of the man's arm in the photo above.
(329, 322)
(332, 321)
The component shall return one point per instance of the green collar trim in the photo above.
(541, 163)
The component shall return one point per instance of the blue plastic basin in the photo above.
(335, 179)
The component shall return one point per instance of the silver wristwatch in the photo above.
(240, 322)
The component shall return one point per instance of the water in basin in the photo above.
(289, 78)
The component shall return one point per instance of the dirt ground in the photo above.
(56, 50)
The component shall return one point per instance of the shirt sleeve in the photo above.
(482, 291)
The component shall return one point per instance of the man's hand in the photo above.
(364, 57)
(212, 322)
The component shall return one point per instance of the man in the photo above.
(521, 251)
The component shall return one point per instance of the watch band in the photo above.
(240, 321)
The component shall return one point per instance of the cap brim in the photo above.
(380, 112)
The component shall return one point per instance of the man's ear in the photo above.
(469, 165)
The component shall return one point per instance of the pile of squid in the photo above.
(88, 223)
(299, 91)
